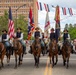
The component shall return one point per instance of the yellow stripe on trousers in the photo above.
(48, 69)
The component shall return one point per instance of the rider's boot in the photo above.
(30, 51)
(24, 50)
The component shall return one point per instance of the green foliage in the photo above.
(4, 22)
(72, 31)
(21, 22)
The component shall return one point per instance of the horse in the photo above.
(2, 54)
(66, 51)
(53, 52)
(36, 50)
(18, 51)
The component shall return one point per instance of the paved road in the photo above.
(28, 68)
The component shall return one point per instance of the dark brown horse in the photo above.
(66, 51)
(36, 49)
(2, 53)
(18, 51)
(53, 52)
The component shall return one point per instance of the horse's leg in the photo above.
(56, 59)
(53, 61)
(20, 58)
(35, 60)
(2, 60)
(15, 61)
(19, 61)
(64, 60)
(50, 59)
(67, 62)
(0, 64)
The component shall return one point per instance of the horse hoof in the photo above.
(15, 67)
(66, 67)
(0, 68)
(52, 66)
(55, 63)
(37, 66)
(8, 65)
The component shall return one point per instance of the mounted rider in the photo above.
(52, 34)
(66, 35)
(37, 33)
(19, 36)
(5, 40)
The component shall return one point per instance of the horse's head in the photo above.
(15, 43)
(54, 45)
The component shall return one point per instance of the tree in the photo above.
(4, 22)
(72, 31)
(66, 26)
(22, 23)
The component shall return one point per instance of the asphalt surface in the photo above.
(28, 68)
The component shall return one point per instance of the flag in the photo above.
(10, 24)
(70, 11)
(45, 7)
(48, 8)
(64, 10)
(47, 25)
(57, 25)
(40, 6)
(37, 5)
(31, 25)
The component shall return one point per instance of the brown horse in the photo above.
(53, 52)
(66, 51)
(2, 54)
(18, 51)
(36, 49)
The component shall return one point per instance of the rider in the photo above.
(19, 36)
(5, 40)
(37, 34)
(66, 35)
(52, 34)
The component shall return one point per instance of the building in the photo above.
(24, 10)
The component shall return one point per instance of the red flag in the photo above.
(70, 11)
(64, 10)
(37, 5)
(11, 24)
(31, 25)
(45, 7)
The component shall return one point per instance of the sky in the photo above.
(61, 3)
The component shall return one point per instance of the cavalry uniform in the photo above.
(19, 36)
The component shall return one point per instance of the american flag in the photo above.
(31, 25)
(10, 24)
